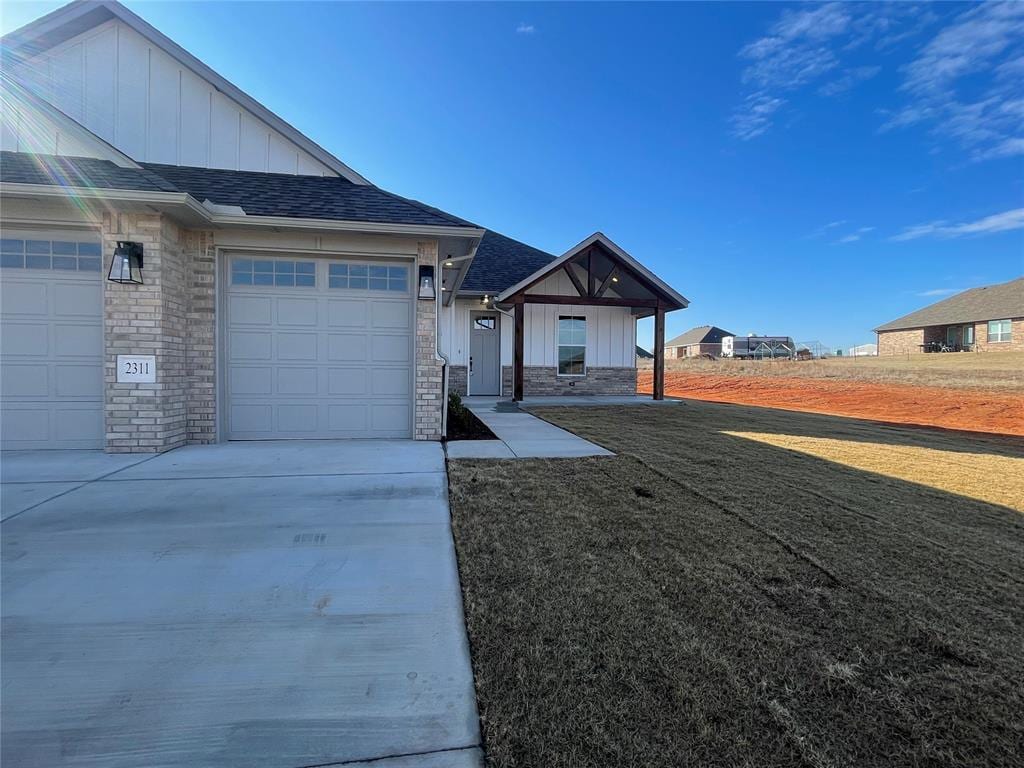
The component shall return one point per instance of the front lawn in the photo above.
(712, 598)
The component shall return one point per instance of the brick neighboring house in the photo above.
(980, 319)
(702, 340)
(281, 294)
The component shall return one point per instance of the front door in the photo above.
(484, 350)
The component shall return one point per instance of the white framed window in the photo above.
(294, 274)
(367, 277)
(484, 323)
(67, 255)
(572, 345)
(999, 330)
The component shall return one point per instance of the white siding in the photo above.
(611, 334)
(147, 104)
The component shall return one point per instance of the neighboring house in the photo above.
(643, 354)
(863, 350)
(702, 340)
(281, 294)
(987, 318)
(758, 347)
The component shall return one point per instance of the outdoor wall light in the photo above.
(126, 266)
(427, 281)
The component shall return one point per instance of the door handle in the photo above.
(470, 363)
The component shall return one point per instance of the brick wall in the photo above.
(458, 379)
(428, 404)
(200, 353)
(506, 381)
(909, 341)
(147, 319)
(541, 381)
(1015, 344)
(900, 342)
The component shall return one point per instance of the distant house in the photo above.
(987, 318)
(643, 354)
(759, 347)
(702, 340)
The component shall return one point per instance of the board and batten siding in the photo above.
(143, 101)
(611, 334)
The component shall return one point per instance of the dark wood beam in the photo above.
(587, 300)
(607, 282)
(517, 362)
(659, 354)
(575, 280)
(590, 271)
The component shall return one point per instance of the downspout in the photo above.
(500, 376)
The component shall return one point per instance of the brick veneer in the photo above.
(201, 350)
(543, 381)
(429, 381)
(142, 320)
(458, 379)
(910, 341)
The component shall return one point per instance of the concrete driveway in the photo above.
(283, 604)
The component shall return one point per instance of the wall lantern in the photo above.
(126, 266)
(426, 281)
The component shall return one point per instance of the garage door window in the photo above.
(368, 277)
(279, 272)
(67, 255)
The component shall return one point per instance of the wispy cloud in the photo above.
(941, 291)
(965, 83)
(853, 237)
(754, 117)
(822, 230)
(850, 78)
(525, 29)
(997, 222)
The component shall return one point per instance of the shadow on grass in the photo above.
(706, 599)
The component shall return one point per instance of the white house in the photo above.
(180, 265)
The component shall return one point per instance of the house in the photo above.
(696, 342)
(987, 318)
(759, 347)
(863, 350)
(180, 265)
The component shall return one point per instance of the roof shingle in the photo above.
(989, 302)
(501, 262)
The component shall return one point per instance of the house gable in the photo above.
(106, 68)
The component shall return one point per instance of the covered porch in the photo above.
(593, 276)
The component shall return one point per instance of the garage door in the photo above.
(318, 348)
(51, 344)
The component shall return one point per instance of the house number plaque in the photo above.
(136, 368)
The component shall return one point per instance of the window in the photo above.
(485, 323)
(968, 335)
(64, 255)
(367, 277)
(999, 330)
(572, 346)
(294, 274)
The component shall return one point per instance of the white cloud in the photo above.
(998, 222)
(848, 80)
(941, 291)
(754, 117)
(854, 236)
(525, 29)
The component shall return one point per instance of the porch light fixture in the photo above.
(427, 281)
(485, 299)
(126, 265)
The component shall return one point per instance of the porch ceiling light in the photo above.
(126, 264)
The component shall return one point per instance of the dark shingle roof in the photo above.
(23, 168)
(989, 302)
(309, 197)
(501, 262)
(709, 334)
(258, 194)
(641, 352)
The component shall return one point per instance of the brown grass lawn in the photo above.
(707, 598)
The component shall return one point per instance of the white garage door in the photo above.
(318, 349)
(51, 345)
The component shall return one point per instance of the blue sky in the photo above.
(811, 170)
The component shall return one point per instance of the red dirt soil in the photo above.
(972, 410)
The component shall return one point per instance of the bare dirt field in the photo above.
(746, 587)
(975, 392)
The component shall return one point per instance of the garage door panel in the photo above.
(297, 312)
(250, 310)
(24, 426)
(77, 340)
(26, 339)
(74, 381)
(339, 355)
(248, 380)
(22, 298)
(296, 346)
(71, 300)
(348, 347)
(25, 380)
(388, 348)
(346, 313)
(297, 381)
(250, 345)
(78, 424)
(391, 314)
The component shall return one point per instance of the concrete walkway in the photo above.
(272, 604)
(520, 435)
